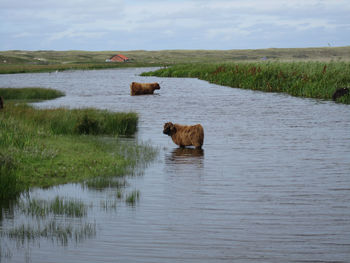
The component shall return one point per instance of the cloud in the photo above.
(70, 33)
(161, 24)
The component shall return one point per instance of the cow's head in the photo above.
(156, 85)
(169, 128)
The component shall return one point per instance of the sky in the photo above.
(172, 24)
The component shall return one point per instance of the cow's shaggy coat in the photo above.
(183, 135)
(143, 88)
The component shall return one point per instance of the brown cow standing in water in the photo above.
(185, 135)
(143, 88)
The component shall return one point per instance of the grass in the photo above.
(103, 182)
(19, 61)
(60, 232)
(62, 121)
(302, 79)
(58, 206)
(42, 148)
(132, 197)
(37, 94)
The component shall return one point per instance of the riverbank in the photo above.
(301, 79)
(42, 148)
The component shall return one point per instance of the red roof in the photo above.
(119, 58)
(123, 57)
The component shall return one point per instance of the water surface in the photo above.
(271, 184)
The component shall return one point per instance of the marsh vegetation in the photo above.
(47, 147)
(42, 147)
(301, 79)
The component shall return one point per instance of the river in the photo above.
(272, 183)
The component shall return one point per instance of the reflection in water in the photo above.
(61, 220)
(185, 158)
(187, 155)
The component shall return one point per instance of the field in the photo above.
(17, 61)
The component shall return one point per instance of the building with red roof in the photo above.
(118, 58)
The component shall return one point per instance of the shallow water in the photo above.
(272, 183)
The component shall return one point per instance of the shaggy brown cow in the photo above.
(185, 135)
(143, 88)
(1, 102)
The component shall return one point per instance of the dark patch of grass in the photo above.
(10, 187)
(302, 79)
(133, 197)
(62, 121)
(34, 94)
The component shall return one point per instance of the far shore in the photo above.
(20, 61)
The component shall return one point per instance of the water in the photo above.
(272, 183)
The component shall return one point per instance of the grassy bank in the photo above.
(29, 94)
(302, 79)
(50, 147)
(19, 61)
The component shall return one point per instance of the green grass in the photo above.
(37, 94)
(62, 121)
(132, 197)
(302, 79)
(48, 147)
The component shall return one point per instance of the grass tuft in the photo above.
(133, 197)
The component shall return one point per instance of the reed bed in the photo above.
(302, 79)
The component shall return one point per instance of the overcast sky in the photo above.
(172, 24)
